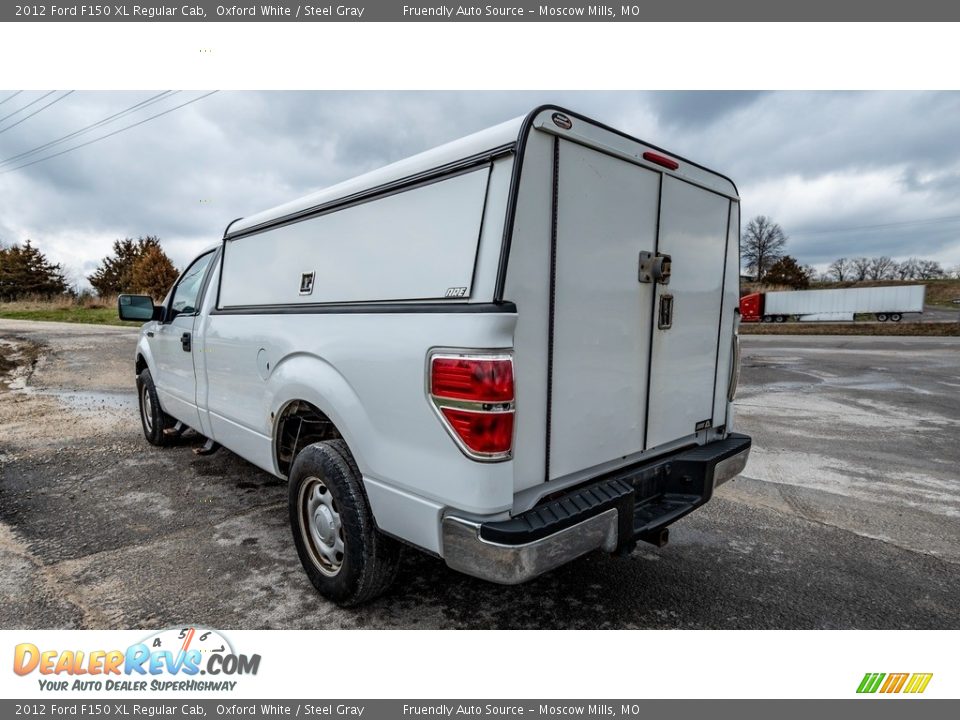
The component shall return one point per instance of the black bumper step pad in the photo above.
(648, 497)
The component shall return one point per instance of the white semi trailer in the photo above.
(836, 304)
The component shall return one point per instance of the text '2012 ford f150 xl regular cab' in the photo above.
(508, 351)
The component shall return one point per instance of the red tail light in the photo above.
(477, 379)
(475, 398)
(484, 433)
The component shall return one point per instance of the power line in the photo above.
(882, 226)
(110, 118)
(33, 102)
(8, 98)
(104, 137)
(38, 110)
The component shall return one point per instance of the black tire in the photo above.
(781, 318)
(768, 318)
(326, 502)
(896, 317)
(882, 317)
(152, 417)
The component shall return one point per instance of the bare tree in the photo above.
(762, 245)
(861, 268)
(881, 267)
(907, 270)
(840, 269)
(929, 270)
(811, 272)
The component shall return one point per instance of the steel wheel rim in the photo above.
(321, 526)
(146, 408)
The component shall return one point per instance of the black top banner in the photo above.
(504, 11)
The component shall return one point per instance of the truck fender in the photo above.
(310, 378)
(144, 356)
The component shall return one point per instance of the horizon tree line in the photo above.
(134, 266)
(763, 254)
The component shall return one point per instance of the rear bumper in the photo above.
(611, 513)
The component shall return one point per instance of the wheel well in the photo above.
(300, 424)
(141, 364)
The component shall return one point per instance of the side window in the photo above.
(185, 297)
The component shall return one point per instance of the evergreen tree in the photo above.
(115, 273)
(25, 272)
(153, 273)
(787, 271)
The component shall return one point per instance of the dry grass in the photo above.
(86, 309)
(860, 328)
(86, 302)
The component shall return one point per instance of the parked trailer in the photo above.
(837, 304)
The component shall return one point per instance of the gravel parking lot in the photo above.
(848, 515)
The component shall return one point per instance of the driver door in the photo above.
(173, 346)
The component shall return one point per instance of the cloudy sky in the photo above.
(845, 174)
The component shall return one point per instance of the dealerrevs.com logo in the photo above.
(889, 683)
(179, 653)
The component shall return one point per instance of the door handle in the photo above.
(665, 316)
(185, 342)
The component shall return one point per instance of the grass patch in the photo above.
(880, 329)
(94, 311)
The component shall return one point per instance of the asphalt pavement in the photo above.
(847, 516)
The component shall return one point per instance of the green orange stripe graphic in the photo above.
(894, 682)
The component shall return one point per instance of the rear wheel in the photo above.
(346, 558)
(882, 317)
(768, 318)
(896, 317)
(152, 417)
(781, 318)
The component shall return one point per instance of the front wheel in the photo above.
(882, 317)
(152, 417)
(346, 557)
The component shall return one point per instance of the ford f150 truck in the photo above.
(508, 351)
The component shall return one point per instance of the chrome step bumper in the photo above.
(611, 513)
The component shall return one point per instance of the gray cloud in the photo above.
(822, 164)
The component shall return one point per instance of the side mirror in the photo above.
(138, 308)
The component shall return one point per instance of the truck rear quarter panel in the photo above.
(377, 399)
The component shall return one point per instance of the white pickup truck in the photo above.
(507, 351)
